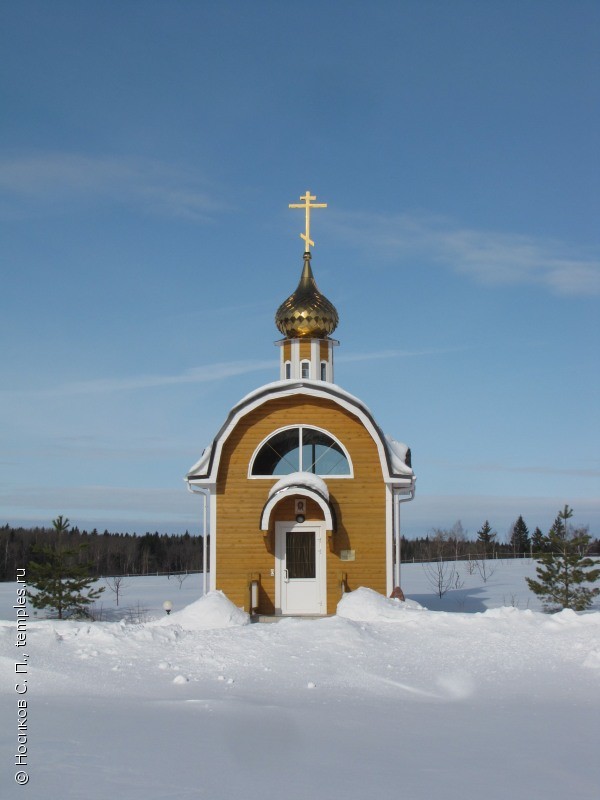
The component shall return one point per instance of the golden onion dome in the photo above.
(306, 313)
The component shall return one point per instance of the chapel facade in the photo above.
(303, 488)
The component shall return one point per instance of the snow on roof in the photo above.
(293, 383)
(201, 466)
(301, 479)
(398, 451)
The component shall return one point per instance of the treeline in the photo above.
(132, 554)
(106, 553)
(432, 548)
(453, 543)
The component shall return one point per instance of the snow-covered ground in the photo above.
(383, 699)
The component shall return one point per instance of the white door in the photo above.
(300, 568)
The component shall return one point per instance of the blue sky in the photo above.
(148, 153)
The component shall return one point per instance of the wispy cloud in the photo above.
(536, 470)
(539, 469)
(46, 182)
(489, 257)
(153, 502)
(377, 355)
(204, 374)
(207, 373)
(100, 448)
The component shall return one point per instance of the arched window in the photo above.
(323, 370)
(301, 449)
(288, 370)
(305, 370)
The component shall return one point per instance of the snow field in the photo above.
(382, 698)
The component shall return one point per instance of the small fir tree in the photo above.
(486, 536)
(565, 567)
(519, 537)
(60, 582)
(485, 533)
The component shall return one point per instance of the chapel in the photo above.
(302, 488)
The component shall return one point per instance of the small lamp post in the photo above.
(168, 605)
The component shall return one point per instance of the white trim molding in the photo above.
(303, 491)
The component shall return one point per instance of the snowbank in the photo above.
(214, 610)
(365, 605)
(345, 693)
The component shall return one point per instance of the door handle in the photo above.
(286, 576)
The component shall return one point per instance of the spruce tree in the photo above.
(539, 542)
(485, 533)
(486, 536)
(60, 581)
(565, 567)
(519, 537)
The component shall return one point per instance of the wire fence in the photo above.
(470, 557)
(170, 574)
(474, 557)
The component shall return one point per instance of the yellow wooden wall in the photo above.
(244, 552)
(305, 352)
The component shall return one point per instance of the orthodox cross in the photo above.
(307, 205)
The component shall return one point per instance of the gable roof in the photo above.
(392, 454)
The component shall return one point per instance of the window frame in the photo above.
(300, 427)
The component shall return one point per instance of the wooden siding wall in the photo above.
(324, 351)
(305, 349)
(244, 552)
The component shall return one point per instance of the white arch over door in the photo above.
(303, 491)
